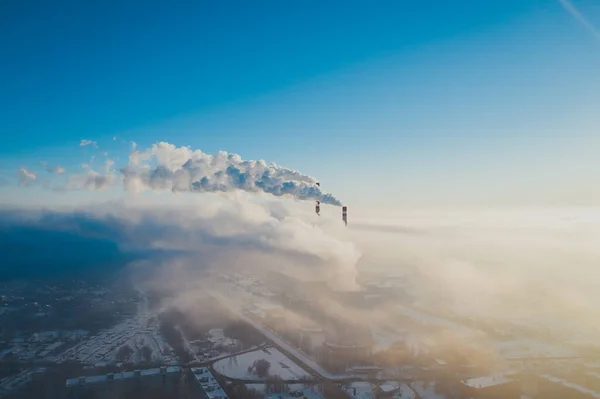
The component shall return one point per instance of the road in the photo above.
(319, 374)
(281, 344)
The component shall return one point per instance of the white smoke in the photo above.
(513, 265)
(167, 167)
(235, 224)
(220, 231)
(26, 176)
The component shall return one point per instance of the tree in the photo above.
(147, 353)
(260, 368)
(243, 392)
(124, 353)
(276, 384)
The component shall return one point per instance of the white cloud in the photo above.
(90, 180)
(26, 176)
(57, 169)
(84, 143)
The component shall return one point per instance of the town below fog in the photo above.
(266, 334)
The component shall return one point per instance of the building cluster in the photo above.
(45, 345)
(136, 333)
(127, 383)
(208, 384)
(528, 385)
(297, 394)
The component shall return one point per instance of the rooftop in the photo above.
(390, 386)
(94, 379)
(304, 393)
(207, 381)
(487, 381)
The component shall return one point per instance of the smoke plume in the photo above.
(167, 167)
(212, 231)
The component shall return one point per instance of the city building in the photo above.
(311, 338)
(346, 347)
(393, 389)
(156, 383)
(492, 387)
(208, 384)
(302, 394)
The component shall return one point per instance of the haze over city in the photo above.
(235, 200)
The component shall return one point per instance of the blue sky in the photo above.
(430, 102)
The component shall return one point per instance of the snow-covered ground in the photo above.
(262, 388)
(587, 391)
(306, 393)
(207, 381)
(366, 390)
(135, 332)
(15, 382)
(103, 347)
(487, 381)
(239, 366)
(42, 345)
(427, 390)
(360, 390)
(279, 341)
(405, 392)
(217, 337)
(525, 347)
(216, 346)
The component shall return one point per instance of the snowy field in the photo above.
(103, 347)
(530, 348)
(135, 332)
(262, 388)
(405, 392)
(15, 382)
(360, 390)
(392, 389)
(427, 390)
(238, 366)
